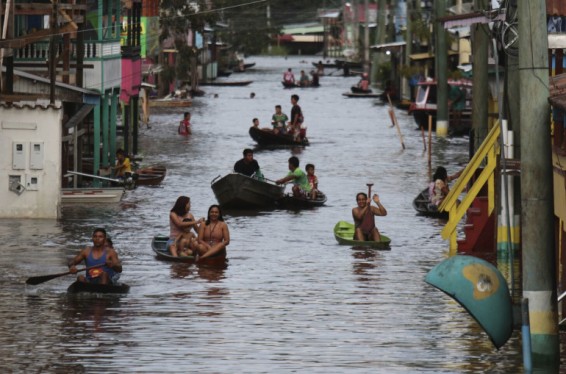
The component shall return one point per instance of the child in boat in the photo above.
(313, 181)
(186, 242)
(438, 187)
(123, 164)
(278, 121)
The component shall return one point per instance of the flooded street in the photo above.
(291, 299)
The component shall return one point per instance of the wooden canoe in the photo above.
(293, 202)
(238, 191)
(159, 246)
(150, 176)
(344, 234)
(170, 103)
(268, 138)
(226, 83)
(91, 195)
(421, 203)
(81, 287)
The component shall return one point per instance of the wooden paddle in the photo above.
(44, 278)
(368, 222)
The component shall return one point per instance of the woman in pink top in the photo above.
(181, 221)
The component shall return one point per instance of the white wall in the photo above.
(41, 163)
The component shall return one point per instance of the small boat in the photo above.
(91, 195)
(296, 85)
(361, 95)
(358, 90)
(290, 201)
(150, 176)
(421, 203)
(80, 287)
(425, 106)
(267, 137)
(170, 103)
(224, 73)
(344, 234)
(226, 83)
(289, 84)
(159, 246)
(238, 191)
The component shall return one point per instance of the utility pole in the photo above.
(480, 90)
(441, 60)
(268, 16)
(537, 220)
(366, 37)
(379, 39)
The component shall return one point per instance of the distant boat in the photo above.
(225, 83)
(170, 102)
(296, 85)
(150, 176)
(425, 105)
(238, 191)
(344, 234)
(361, 95)
(268, 138)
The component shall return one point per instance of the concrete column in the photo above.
(539, 268)
(113, 121)
(441, 59)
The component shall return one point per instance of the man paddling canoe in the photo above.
(101, 258)
(364, 217)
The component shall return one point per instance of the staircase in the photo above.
(479, 229)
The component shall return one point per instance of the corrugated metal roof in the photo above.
(556, 7)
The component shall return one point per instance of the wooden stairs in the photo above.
(479, 229)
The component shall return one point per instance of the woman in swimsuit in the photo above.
(213, 236)
(364, 217)
(181, 221)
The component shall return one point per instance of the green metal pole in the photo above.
(105, 131)
(441, 59)
(113, 117)
(539, 268)
(96, 142)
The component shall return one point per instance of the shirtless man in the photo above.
(364, 217)
(101, 255)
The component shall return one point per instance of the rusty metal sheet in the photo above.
(556, 7)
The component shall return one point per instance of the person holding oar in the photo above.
(102, 263)
(364, 216)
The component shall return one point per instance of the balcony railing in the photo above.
(92, 50)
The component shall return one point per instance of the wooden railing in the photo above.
(488, 151)
(92, 50)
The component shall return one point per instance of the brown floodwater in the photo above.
(291, 299)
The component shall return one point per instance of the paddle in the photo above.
(368, 222)
(44, 278)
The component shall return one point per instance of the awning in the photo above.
(427, 55)
(379, 47)
(79, 116)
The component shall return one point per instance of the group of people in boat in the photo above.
(305, 183)
(200, 238)
(303, 81)
(281, 124)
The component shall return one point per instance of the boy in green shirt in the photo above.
(301, 186)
